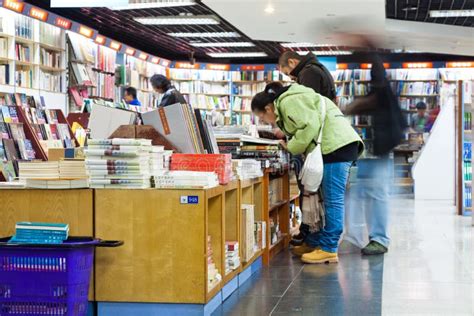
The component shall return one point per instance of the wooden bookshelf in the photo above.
(165, 244)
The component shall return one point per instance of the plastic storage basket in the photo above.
(47, 279)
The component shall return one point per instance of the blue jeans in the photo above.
(375, 177)
(334, 190)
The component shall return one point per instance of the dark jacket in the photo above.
(388, 122)
(312, 74)
(172, 96)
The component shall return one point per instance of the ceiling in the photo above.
(418, 10)
(293, 21)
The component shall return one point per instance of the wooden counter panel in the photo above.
(163, 258)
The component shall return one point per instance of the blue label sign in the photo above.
(193, 199)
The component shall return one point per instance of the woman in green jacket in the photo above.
(296, 110)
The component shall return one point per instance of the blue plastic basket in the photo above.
(47, 279)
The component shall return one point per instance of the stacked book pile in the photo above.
(72, 169)
(247, 232)
(119, 163)
(247, 168)
(40, 233)
(38, 170)
(266, 151)
(213, 276)
(218, 163)
(228, 139)
(68, 174)
(186, 179)
(232, 258)
(159, 160)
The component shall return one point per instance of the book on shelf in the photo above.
(82, 48)
(22, 52)
(247, 232)
(415, 88)
(24, 78)
(50, 81)
(342, 75)
(203, 102)
(7, 170)
(413, 74)
(105, 59)
(221, 164)
(50, 35)
(5, 74)
(50, 58)
(248, 89)
(23, 27)
(3, 47)
(198, 74)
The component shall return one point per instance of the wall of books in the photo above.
(32, 58)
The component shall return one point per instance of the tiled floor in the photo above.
(428, 271)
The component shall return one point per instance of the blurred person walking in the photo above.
(376, 174)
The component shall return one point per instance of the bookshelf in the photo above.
(464, 141)
(32, 59)
(136, 73)
(276, 200)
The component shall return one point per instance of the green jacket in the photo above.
(298, 113)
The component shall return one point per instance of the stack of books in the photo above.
(186, 179)
(72, 169)
(119, 163)
(232, 258)
(38, 170)
(213, 276)
(40, 233)
(267, 151)
(159, 160)
(247, 168)
(247, 232)
(218, 163)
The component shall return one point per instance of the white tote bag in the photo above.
(313, 168)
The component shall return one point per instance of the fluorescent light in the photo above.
(140, 4)
(293, 45)
(205, 34)
(224, 44)
(451, 13)
(180, 20)
(327, 52)
(269, 9)
(238, 54)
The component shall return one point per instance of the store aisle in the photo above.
(429, 270)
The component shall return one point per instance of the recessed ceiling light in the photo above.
(179, 20)
(205, 34)
(146, 4)
(330, 14)
(410, 8)
(238, 54)
(293, 45)
(327, 52)
(451, 13)
(269, 9)
(224, 44)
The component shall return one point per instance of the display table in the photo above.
(164, 258)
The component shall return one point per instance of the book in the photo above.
(4, 133)
(10, 149)
(17, 131)
(6, 114)
(255, 140)
(57, 184)
(8, 170)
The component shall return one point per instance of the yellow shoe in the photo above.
(320, 256)
(301, 250)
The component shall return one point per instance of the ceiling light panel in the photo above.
(293, 45)
(147, 4)
(236, 55)
(451, 13)
(179, 20)
(205, 34)
(224, 44)
(327, 52)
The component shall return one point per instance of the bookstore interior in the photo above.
(89, 148)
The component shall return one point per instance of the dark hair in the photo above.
(131, 91)
(262, 99)
(283, 60)
(421, 105)
(160, 82)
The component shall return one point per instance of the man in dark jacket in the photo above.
(162, 85)
(308, 71)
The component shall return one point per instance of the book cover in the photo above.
(30, 152)
(40, 116)
(4, 134)
(3, 155)
(17, 131)
(23, 151)
(10, 149)
(13, 114)
(6, 114)
(54, 131)
(8, 170)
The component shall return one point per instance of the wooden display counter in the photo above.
(74, 207)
